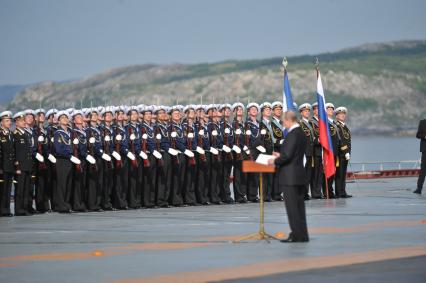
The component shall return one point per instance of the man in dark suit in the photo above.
(421, 134)
(292, 177)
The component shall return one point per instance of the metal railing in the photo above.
(383, 165)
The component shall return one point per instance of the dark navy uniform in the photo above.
(317, 178)
(79, 192)
(190, 166)
(252, 178)
(266, 141)
(309, 152)
(24, 162)
(164, 170)
(7, 168)
(63, 151)
(203, 164)
(240, 178)
(107, 166)
(120, 176)
(95, 171)
(344, 151)
(149, 172)
(227, 132)
(278, 137)
(42, 196)
(177, 143)
(51, 170)
(216, 141)
(134, 193)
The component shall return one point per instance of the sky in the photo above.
(61, 40)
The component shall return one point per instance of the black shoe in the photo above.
(418, 191)
(307, 197)
(206, 203)
(346, 196)
(69, 211)
(279, 199)
(292, 240)
(7, 215)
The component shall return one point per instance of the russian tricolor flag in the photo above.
(324, 131)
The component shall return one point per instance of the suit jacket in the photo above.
(290, 163)
(421, 134)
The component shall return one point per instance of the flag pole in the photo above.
(316, 63)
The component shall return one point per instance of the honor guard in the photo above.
(164, 165)
(344, 154)
(278, 137)
(305, 113)
(37, 158)
(203, 157)
(134, 139)
(240, 178)
(252, 133)
(120, 154)
(107, 133)
(52, 126)
(227, 156)
(317, 178)
(149, 154)
(335, 140)
(94, 162)
(265, 145)
(64, 163)
(177, 147)
(42, 196)
(216, 143)
(7, 162)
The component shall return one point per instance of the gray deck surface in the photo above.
(383, 216)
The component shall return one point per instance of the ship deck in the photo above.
(378, 235)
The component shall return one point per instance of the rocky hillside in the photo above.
(383, 85)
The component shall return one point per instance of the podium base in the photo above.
(261, 235)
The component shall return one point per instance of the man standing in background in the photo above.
(421, 134)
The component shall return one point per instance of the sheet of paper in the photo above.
(263, 158)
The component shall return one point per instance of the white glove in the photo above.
(144, 136)
(200, 150)
(51, 158)
(236, 149)
(75, 141)
(348, 156)
(106, 157)
(188, 153)
(158, 136)
(245, 148)
(118, 137)
(173, 151)
(92, 140)
(116, 155)
(107, 138)
(238, 132)
(227, 131)
(261, 148)
(263, 132)
(281, 141)
(131, 156)
(40, 139)
(90, 159)
(39, 157)
(157, 154)
(214, 150)
(248, 133)
(132, 137)
(201, 132)
(190, 135)
(226, 148)
(75, 160)
(52, 139)
(214, 133)
(143, 155)
(173, 134)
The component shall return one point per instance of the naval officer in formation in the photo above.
(147, 156)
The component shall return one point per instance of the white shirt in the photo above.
(293, 127)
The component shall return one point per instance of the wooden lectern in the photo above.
(253, 167)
